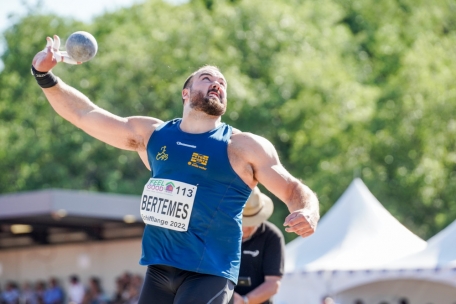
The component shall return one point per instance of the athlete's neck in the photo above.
(196, 122)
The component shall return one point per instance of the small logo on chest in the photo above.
(162, 155)
(185, 145)
(252, 253)
(198, 161)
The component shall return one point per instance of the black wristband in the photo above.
(44, 79)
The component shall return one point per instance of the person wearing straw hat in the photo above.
(262, 253)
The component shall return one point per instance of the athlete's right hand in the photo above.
(48, 58)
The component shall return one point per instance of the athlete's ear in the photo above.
(185, 94)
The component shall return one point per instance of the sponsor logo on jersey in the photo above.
(199, 161)
(185, 145)
(156, 185)
(169, 187)
(162, 154)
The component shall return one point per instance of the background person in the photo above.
(40, 289)
(11, 294)
(262, 253)
(53, 293)
(95, 293)
(76, 290)
(28, 294)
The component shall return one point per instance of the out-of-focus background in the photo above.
(82, 10)
(357, 96)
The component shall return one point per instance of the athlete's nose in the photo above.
(215, 87)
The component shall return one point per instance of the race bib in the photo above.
(167, 203)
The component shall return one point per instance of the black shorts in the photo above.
(165, 284)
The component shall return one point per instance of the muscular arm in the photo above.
(129, 133)
(260, 163)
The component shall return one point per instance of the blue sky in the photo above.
(83, 10)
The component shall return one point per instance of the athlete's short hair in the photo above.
(189, 81)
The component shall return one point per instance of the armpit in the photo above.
(135, 144)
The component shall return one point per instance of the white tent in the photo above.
(440, 253)
(356, 236)
(428, 276)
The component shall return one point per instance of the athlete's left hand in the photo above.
(302, 222)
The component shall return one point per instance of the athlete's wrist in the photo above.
(44, 79)
(245, 299)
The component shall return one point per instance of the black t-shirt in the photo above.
(261, 255)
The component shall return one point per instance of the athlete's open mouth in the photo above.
(214, 92)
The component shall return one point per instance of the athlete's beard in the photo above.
(207, 104)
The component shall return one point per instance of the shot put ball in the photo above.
(81, 46)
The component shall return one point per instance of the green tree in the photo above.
(342, 88)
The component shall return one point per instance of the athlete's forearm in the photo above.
(69, 102)
(302, 197)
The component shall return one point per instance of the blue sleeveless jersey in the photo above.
(212, 243)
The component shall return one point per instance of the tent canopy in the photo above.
(356, 233)
(439, 254)
(358, 248)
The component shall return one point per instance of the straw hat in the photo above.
(258, 209)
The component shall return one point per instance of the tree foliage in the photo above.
(343, 89)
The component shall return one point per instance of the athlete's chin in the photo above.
(214, 100)
(215, 109)
(216, 112)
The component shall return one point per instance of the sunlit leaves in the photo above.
(343, 89)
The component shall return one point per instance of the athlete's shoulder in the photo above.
(241, 135)
(169, 123)
(249, 139)
(235, 131)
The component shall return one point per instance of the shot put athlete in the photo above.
(203, 172)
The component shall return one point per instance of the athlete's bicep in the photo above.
(129, 133)
(269, 171)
